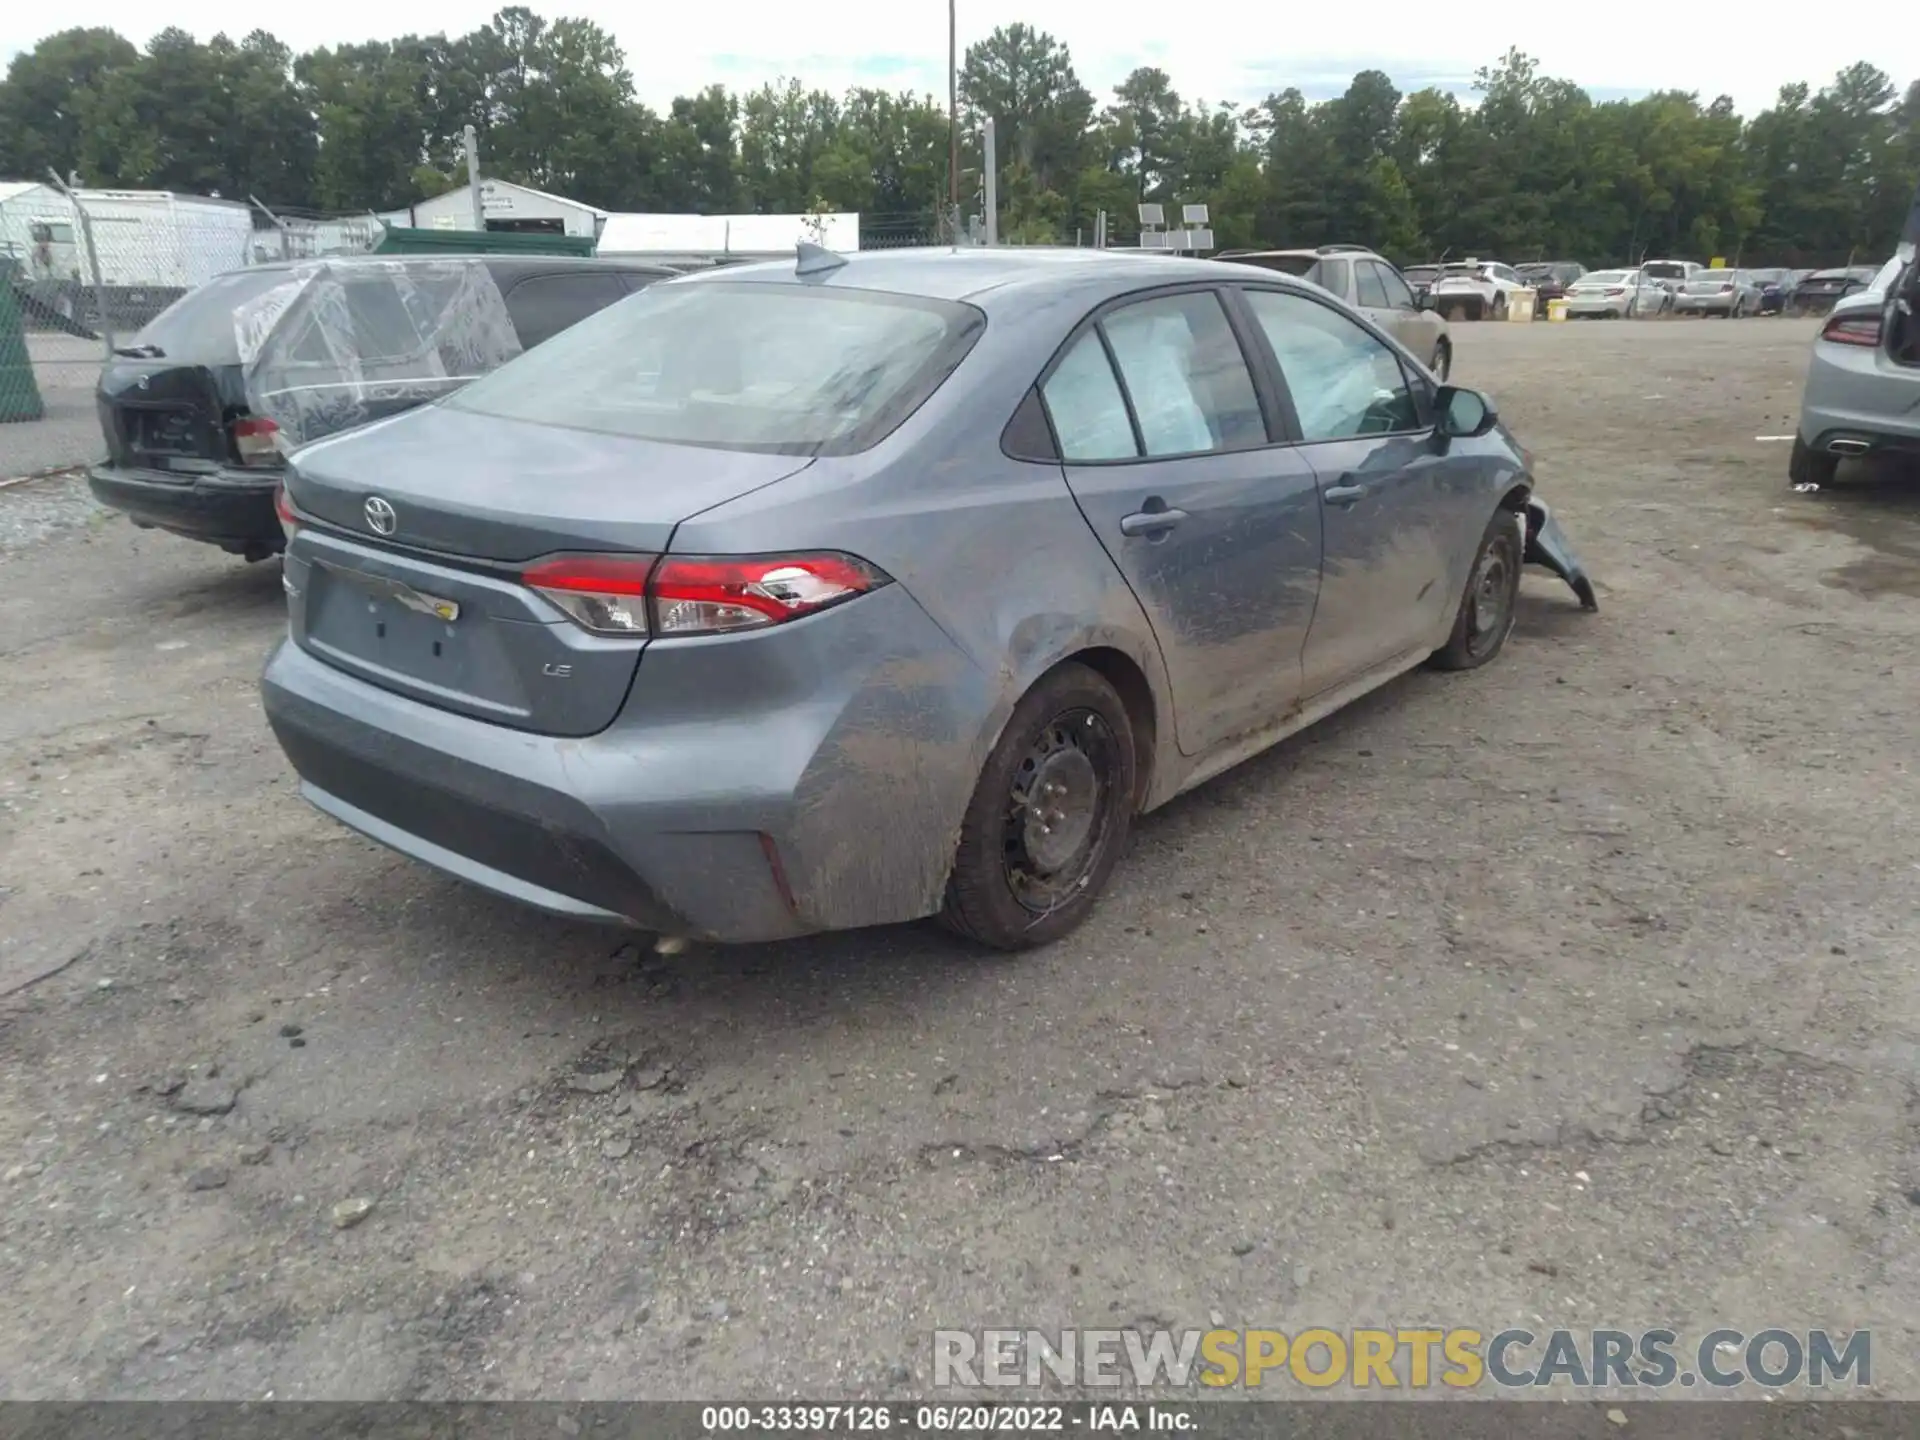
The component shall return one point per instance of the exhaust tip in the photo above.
(1848, 446)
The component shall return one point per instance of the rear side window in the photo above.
(544, 305)
(1330, 275)
(1183, 370)
(1084, 402)
(770, 367)
(198, 327)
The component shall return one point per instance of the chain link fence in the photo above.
(81, 272)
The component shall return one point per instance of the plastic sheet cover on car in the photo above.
(336, 345)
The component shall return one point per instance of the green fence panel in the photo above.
(19, 392)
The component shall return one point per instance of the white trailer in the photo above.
(151, 247)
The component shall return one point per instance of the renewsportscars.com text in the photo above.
(1415, 1358)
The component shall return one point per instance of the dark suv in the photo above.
(188, 451)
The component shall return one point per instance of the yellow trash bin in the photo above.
(1556, 309)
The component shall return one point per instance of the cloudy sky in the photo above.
(673, 49)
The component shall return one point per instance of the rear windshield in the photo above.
(784, 369)
(1421, 272)
(1664, 270)
(1718, 277)
(198, 327)
(1603, 277)
(1302, 265)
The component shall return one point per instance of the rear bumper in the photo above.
(748, 792)
(228, 508)
(1460, 305)
(1695, 305)
(1854, 394)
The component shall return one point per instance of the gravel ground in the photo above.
(1580, 990)
(65, 370)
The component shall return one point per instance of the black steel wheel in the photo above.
(1807, 466)
(1049, 816)
(1485, 617)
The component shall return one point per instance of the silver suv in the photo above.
(1368, 283)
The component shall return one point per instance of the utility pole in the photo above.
(953, 116)
(473, 177)
(987, 159)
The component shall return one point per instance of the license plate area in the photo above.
(410, 640)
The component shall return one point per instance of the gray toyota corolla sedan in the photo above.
(849, 590)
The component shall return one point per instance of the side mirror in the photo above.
(1464, 414)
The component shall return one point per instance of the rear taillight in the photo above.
(698, 595)
(709, 595)
(1726, 289)
(256, 442)
(606, 594)
(1618, 290)
(1862, 330)
(283, 507)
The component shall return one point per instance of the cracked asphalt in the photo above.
(1579, 990)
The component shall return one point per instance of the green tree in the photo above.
(43, 99)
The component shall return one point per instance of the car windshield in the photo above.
(199, 325)
(784, 369)
(1605, 277)
(1711, 277)
(1664, 270)
(1421, 272)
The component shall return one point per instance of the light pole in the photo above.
(953, 117)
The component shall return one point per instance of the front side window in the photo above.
(1344, 382)
(1398, 295)
(1183, 370)
(1368, 291)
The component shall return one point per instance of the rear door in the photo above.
(544, 305)
(1165, 444)
(1391, 503)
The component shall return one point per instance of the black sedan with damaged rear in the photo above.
(201, 407)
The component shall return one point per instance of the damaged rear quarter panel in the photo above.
(998, 559)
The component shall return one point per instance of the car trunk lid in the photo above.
(157, 414)
(410, 579)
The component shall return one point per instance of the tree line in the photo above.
(1530, 168)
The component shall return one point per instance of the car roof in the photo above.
(988, 276)
(499, 264)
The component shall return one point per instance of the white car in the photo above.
(1474, 290)
(1672, 275)
(1615, 295)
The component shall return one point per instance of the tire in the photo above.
(1442, 362)
(1807, 466)
(1016, 884)
(1500, 307)
(1486, 613)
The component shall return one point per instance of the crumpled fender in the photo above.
(1548, 547)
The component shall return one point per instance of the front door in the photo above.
(1385, 489)
(1166, 449)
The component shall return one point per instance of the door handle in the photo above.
(1343, 495)
(1150, 522)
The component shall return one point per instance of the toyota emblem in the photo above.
(381, 518)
